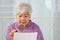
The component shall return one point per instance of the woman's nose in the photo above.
(23, 18)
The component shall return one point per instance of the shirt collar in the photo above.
(29, 24)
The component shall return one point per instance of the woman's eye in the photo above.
(25, 16)
(20, 16)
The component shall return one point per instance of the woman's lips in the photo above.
(23, 22)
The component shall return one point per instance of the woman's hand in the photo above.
(12, 34)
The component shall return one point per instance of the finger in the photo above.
(12, 32)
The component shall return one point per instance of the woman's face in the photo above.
(23, 18)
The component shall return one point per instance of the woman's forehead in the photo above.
(24, 13)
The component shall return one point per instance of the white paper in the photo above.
(25, 36)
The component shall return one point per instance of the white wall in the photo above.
(6, 11)
(57, 21)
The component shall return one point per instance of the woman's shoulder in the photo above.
(35, 25)
(12, 24)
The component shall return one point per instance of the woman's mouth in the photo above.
(23, 22)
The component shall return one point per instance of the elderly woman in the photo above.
(23, 24)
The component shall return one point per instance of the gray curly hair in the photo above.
(23, 7)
